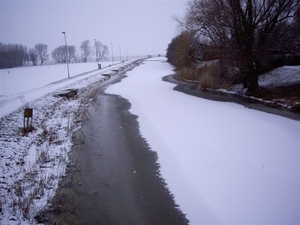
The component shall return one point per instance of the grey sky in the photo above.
(144, 27)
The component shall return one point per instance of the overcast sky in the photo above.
(143, 27)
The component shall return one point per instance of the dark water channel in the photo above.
(190, 89)
(113, 177)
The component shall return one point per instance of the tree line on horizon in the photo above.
(223, 42)
(18, 55)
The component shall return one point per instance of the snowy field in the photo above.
(19, 86)
(224, 163)
(12, 80)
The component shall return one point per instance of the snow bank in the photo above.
(224, 163)
(16, 80)
(281, 76)
(20, 86)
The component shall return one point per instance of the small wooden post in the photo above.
(28, 113)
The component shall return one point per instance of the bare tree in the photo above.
(85, 50)
(33, 55)
(63, 53)
(41, 50)
(101, 50)
(245, 31)
(12, 55)
(58, 54)
(71, 53)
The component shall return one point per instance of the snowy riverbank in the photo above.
(32, 164)
(223, 162)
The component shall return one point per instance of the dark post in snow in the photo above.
(96, 50)
(67, 58)
(28, 113)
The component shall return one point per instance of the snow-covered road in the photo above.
(224, 163)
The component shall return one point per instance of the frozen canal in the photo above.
(223, 162)
(114, 176)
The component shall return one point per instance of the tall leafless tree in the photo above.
(41, 50)
(59, 54)
(12, 55)
(71, 53)
(33, 55)
(101, 50)
(244, 31)
(85, 50)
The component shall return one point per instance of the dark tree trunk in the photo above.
(252, 67)
(252, 80)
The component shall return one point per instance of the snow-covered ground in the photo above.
(281, 76)
(19, 86)
(32, 164)
(225, 164)
(39, 76)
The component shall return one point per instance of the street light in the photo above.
(66, 53)
(96, 50)
(97, 54)
(112, 53)
(120, 53)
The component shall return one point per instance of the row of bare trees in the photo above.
(244, 34)
(63, 53)
(17, 55)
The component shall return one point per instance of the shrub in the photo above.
(209, 75)
(189, 73)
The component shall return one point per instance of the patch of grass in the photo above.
(189, 73)
(211, 77)
(42, 154)
(33, 182)
(22, 199)
(287, 96)
(208, 76)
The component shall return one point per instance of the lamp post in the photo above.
(127, 53)
(112, 53)
(120, 53)
(96, 51)
(67, 58)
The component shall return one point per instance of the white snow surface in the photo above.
(224, 163)
(19, 86)
(281, 76)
